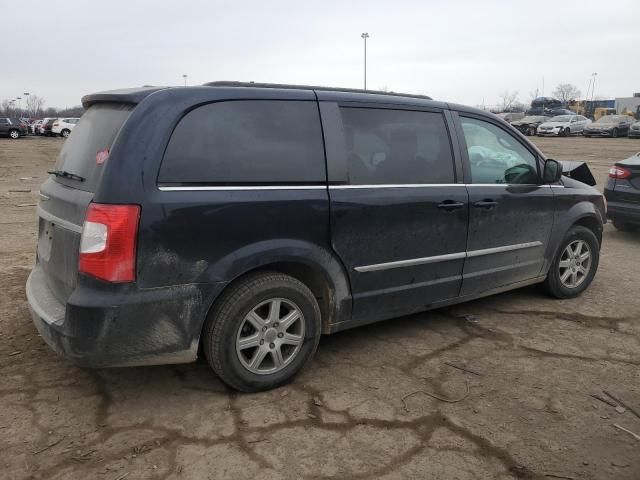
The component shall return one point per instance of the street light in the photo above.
(364, 36)
(593, 85)
(185, 79)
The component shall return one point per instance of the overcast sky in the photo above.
(460, 51)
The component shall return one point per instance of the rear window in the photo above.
(387, 146)
(95, 132)
(246, 142)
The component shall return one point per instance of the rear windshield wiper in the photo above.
(65, 174)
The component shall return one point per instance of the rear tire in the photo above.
(14, 134)
(249, 338)
(531, 132)
(566, 266)
(566, 132)
(65, 133)
(614, 133)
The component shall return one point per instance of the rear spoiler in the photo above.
(124, 95)
(578, 171)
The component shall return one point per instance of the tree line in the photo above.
(34, 107)
(565, 92)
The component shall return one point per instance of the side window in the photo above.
(396, 147)
(3, 121)
(247, 142)
(496, 156)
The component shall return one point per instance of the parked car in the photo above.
(12, 128)
(622, 192)
(43, 122)
(549, 112)
(47, 125)
(511, 117)
(243, 220)
(529, 125)
(33, 127)
(634, 130)
(609, 126)
(563, 125)
(63, 126)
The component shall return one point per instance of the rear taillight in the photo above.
(619, 172)
(108, 242)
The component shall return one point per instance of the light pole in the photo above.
(364, 36)
(19, 106)
(593, 85)
(26, 95)
(185, 79)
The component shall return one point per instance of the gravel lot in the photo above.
(528, 412)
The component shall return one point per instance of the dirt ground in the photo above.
(528, 412)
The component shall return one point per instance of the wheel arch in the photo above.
(582, 213)
(317, 268)
(591, 222)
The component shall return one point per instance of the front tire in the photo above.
(14, 134)
(65, 133)
(614, 133)
(262, 331)
(575, 264)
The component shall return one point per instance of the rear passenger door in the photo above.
(398, 215)
(511, 212)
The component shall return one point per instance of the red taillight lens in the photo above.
(108, 243)
(619, 172)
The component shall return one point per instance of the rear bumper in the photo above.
(121, 327)
(624, 211)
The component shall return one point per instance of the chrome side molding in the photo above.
(444, 258)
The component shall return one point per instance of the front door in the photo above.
(399, 221)
(511, 213)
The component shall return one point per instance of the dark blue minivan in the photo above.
(245, 220)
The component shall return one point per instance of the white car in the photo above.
(33, 128)
(63, 126)
(563, 125)
(40, 129)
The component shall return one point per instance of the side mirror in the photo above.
(552, 171)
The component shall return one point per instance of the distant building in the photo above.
(630, 104)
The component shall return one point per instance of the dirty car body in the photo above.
(476, 216)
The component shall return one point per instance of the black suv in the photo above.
(12, 127)
(245, 220)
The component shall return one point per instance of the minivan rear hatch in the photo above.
(64, 197)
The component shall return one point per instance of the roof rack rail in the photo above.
(224, 83)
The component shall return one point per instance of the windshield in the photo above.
(95, 132)
(561, 118)
(609, 119)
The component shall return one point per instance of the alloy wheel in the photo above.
(575, 264)
(270, 336)
(14, 134)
